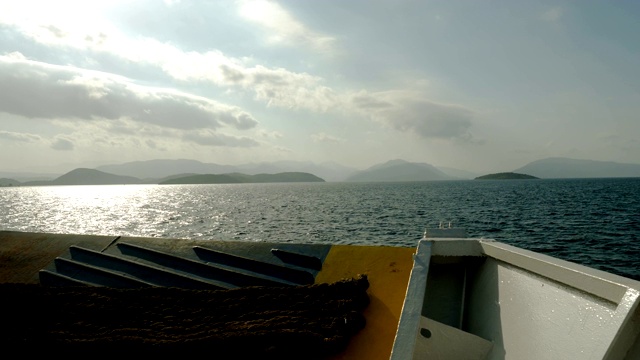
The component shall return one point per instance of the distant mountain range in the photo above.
(400, 170)
(83, 176)
(155, 169)
(161, 171)
(558, 168)
(78, 176)
(394, 170)
(237, 178)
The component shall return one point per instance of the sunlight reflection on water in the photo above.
(586, 221)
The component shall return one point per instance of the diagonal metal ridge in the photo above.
(52, 278)
(199, 268)
(152, 275)
(96, 275)
(306, 261)
(294, 275)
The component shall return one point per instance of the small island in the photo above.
(505, 176)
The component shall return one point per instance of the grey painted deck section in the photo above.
(114, 261)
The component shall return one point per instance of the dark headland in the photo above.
(506, 176)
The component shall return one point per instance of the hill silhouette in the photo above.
(152, 170)
(9, 182)
(400, 170)
(158, 171)
(161, 168)
(84, 176)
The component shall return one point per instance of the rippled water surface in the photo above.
(595, 222)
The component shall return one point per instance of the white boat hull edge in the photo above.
(483, 299)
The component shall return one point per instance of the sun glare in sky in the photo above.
(357, 83)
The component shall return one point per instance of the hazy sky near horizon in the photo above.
(484, 86)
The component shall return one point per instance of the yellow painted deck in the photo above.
(23, 255)
(388, 270)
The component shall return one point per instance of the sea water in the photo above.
(594, 222)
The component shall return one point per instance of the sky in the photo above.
(482, 86)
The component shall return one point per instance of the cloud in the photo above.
(62, 144)
(57, 22)
(411, 112)
(209, 138)
(151, 144)
(368, 102)
(127, 126)
(271, 134)
(283, 150)
(117, 98)
(284, 28)
(276, 87)
(322, 137)
(19, 137)
(291, 90)
(158, 137)
(38, 90)
(553, 14)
